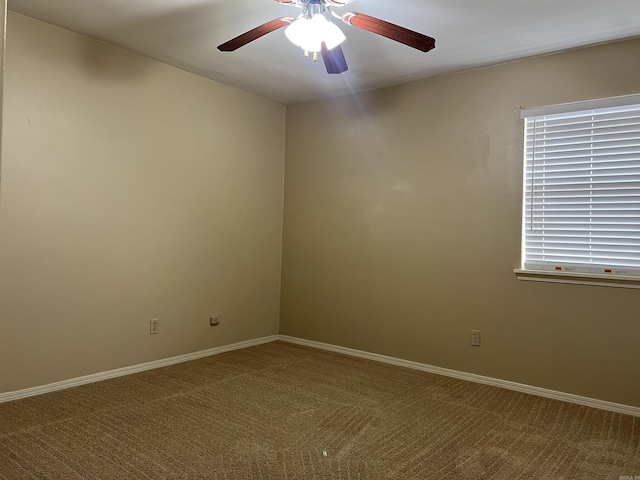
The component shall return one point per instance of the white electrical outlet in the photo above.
(154, 326)
(475, 338)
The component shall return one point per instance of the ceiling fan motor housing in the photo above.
(312, 7)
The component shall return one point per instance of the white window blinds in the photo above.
(582, 187)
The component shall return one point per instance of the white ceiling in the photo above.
(468, 33)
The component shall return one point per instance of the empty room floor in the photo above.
(283, 411)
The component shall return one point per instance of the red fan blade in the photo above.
(390, 30)
(254, 34)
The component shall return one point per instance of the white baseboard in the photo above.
(96, 377)
(518, 387)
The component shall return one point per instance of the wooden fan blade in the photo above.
(254, 34)
(334, 60)
(390, 30)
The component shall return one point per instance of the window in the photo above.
(581, 208)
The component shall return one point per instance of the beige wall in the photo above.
(3, 25)
(130, 190)
(402, 228)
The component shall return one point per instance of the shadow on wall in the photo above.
(190, 27)
(102, 63)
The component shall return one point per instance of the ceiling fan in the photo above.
(312, 31)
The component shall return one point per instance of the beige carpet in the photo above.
(270, 411)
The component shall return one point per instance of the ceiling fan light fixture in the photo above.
(309, 34)
(333, 36)
(295, 32)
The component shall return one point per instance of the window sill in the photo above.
(618, 281)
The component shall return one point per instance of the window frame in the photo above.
(559, 272)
